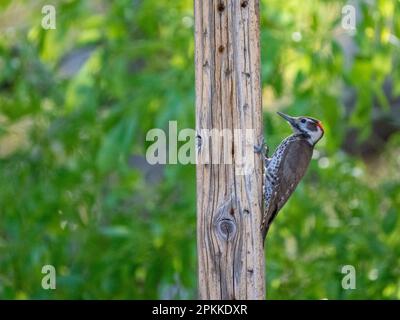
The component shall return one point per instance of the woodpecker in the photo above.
(284, 170)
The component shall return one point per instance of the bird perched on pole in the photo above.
(284, 170)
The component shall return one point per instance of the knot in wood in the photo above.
(226, 228)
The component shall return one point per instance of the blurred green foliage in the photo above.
(76, 104)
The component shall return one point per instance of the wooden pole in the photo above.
(228, 98)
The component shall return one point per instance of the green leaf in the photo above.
(389, 221)
(115, 231)
(116, 145)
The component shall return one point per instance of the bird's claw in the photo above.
(259, 149)
(262, 148)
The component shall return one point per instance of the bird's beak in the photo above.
(289, 119)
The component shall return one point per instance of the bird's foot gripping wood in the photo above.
(262, 148)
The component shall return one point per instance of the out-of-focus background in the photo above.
(77, 193)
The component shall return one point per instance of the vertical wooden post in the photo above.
(228, 97)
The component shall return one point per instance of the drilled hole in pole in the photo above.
(198, 141)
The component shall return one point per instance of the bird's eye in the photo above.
(303, 120)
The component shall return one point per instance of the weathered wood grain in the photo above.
(229, 203)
